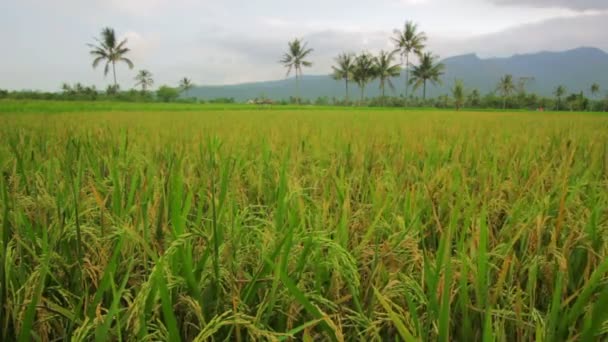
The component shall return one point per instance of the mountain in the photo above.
(576, 69)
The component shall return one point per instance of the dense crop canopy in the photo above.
(312, 224)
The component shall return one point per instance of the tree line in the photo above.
(410, 42)
(364, 67)
(109, 51)
(359, 68)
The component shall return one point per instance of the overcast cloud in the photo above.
(573, 4)
(234, 41)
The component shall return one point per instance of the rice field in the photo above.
(303, 225)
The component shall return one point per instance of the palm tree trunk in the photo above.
(424, 90)
(114, 72)
(297, 88)
(407, 77)
(362, 93)
(346, 90)
(382, 86)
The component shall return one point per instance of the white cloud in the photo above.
(579, 5)
(233, 41)
(414, 2)
(141, 47)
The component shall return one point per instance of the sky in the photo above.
(238, 41)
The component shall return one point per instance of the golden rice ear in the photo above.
(148, 222)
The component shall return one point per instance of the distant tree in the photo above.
(112, 89)
(322, 101)
(406, 42)
(577, 101)
(385, 70)
(144, 80)
(522, 82)
(167, 94)
(295, 59)
(109, 51)
(185, 85)
(595, 89)
(458, 94)
(474, 99)
(505, 88)
(91, 92)
(429, 70)
(559, 92)
(442, 101)
(67, 89)
(343, 70)
(364, 72)
(79, 88)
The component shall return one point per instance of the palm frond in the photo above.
(98, 60)
(127, 61)
(108, 37)
(293, 59)
(105, 49)
(121, 45)
(289, 68)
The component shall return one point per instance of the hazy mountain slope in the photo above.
(576, 69)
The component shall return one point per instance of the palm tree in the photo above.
(428, 70)
(505, 87)
(364, 71)
(144, 80)
(458, 94)
(474, 98)
(67, 88)
(107, 50)
(407, 41)
(185, 84)
(559, 92)
(385, 69)
(294, 59)
(595, 89)
(344, 69)
(79, 88)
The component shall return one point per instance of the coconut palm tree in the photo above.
(595, 89)
(108, 50)
(185, 84)
(429, 70)
(385, 69)
(295, 59)
(144, 80)
(344, 68)
(458, 94)
(559, 92)
(67, 89)
(364, 72)
(505, 88)
(474, 98)
(406, 42)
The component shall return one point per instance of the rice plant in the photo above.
(286, 225)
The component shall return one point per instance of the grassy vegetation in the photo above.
(47, 107)
(53, 107)
(303, 225)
